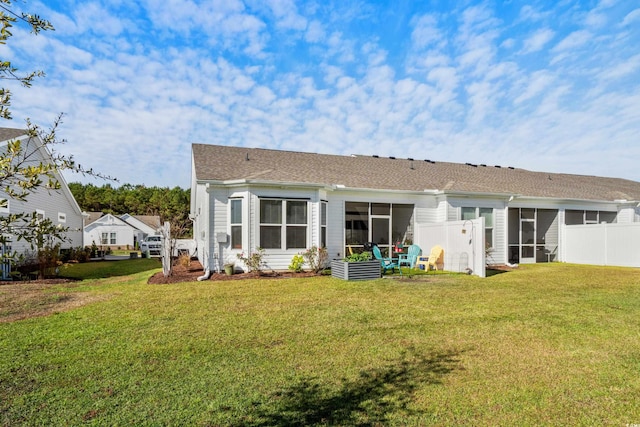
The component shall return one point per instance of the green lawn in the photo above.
(548, 344)
(102, 269)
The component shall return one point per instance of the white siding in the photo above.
(124, 235)
(426, 210)
(335, 227)
(276, 259)
(219, 238)
(52, 203)
(498, 254)
(627, 215)
(211, 211)
(200, 214)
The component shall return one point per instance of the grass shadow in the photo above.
(373, 398)
(489, 272)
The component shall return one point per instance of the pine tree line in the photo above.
(170, 204)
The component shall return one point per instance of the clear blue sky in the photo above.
(541, 85)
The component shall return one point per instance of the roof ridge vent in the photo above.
(392, 157)
(497, 166)
(375, 156)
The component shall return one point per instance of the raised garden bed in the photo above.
(360, 270)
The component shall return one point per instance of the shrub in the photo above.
(184, 260)
(296, 263)
(44, 261)
(317, 258)
(78, 254)
(254, 261)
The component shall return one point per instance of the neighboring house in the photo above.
(285, 202)
(57, 205)
(125, 231)
(146, 225)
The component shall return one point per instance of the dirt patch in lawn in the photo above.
(24, 300)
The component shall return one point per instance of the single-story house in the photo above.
(57, 205)
(125, 231)
(285, 202)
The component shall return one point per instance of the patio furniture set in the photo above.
(411, 258)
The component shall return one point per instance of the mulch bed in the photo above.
(195, 270)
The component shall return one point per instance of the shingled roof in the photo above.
(224, 163)
(152, 221)
(10, 133)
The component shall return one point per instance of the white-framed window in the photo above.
(62, 217)
(40, 215)
(112, 238)
(573, 217)
(104, 238)
(486, 213)
(5, 206)
(235, 219)
(283, 224)
(323, 224)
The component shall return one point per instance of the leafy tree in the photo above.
(23, 170)
(7, 71)
(170, 204)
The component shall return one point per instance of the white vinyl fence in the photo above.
(603, 244)
(462, 241)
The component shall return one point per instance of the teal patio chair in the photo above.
(410, 257)
(385, 263)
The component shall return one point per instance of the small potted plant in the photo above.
(229, 268)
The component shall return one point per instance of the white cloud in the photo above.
(625, 68)
(573, 40)
(451, 88)
(287, 15)
(538, 40)
(315, 32)
(340, 48)
(631, 18)
(93, 17)
(426, 32)
(536, 84)
(529, 13)
(570, 45)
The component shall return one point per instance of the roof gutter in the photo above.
(340, 187)
(245, 182)
(509, 196)
(512, 196)
(630, 202)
